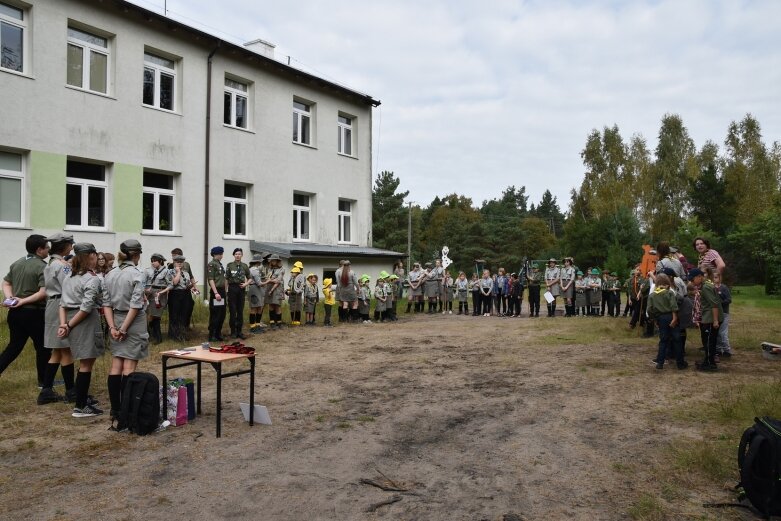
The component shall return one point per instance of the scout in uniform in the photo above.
(156, 281)
(415, 280)
(581, 288)
(514, 297)
(311, 298)
(190, 303)
(329, 299)
(447, 293)
(431, 285)
(663, 308)
(614, 291)
(486, 290)
(595, 292)
(390, 292)
(381, 298)
(461, 290)
(500, 292)
(295, 292)
(707, 315)
(364, 298)
(275, 290)
(568, 287)
(553, 284)
(54, 274)
(80, 322)
(533, 280)
(24, 290)
(474, 286)
(347, 292)
(256, 293)
(123, 307)
(238, 277)
(179, 297)
(218, 291)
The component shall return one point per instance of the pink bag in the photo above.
(181, 406)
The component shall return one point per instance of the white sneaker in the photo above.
(450, 312)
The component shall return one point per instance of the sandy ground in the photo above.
(473, 418)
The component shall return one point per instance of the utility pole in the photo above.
(409, 235)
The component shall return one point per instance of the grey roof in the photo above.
(297, 249)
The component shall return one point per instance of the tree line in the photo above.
(630, 195)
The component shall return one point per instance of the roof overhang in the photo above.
(298, 249)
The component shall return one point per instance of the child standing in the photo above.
(663, 308)
(533, 279)
(514, 306)
(256, 293)
(581, 288)
(329, 299)
(447, 293)
(364, 298)
(462, 290)
(707, 314)
(379, 295)
(474, 284)
(486, 289)
(311, 297)
(723, 348)
(390, 295)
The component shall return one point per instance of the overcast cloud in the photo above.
(477, 96)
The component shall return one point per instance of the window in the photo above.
(235, 221)
(88, 61)
(12, 37)
(300, 217)
(159, 81)
(85, 195)
(345, 218)
(302, 123)
(345, 139)
(158, 203)
(235, 103)
(11, 189)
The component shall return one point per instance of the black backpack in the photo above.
(759, 459)
(140, 409)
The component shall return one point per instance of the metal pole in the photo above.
(409, 235)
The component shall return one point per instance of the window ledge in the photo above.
(248, 131)
(89, 230)
(17, 73)
(172, 112)
(305, 145)
(302, 240)
(87, 91)
(14, 226)
(160, 234)
(236, 237)
(348, 156)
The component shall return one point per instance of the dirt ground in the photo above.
(471, 418)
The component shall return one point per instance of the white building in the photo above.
(119, 122)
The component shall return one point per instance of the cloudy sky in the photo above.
(477, 96)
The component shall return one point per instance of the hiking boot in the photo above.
(242, 336)
(707, 368)
(70, 397)
(683, 366)
(47, 395)
(726, 354)
(86, 411)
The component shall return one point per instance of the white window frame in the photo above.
(156, 193)
(87, 49)
(21, 24)
(20, 176)
(234, 202)
(298, 211)
(345, 127)
(85, 185)
(234, 94)
(299, 114)
(342, 214)
(158, 69)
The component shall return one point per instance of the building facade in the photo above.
(119, 122)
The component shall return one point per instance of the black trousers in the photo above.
(177, 313)
(236, 298)
(476, 303)
(534, 300)
(487, 302)
(216, 316)
(23, 323)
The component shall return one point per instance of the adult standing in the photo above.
(275, 290)
(708, 257)
(398, 284)
(533, 280)
(123, 307)
(189, 305)
(568, 286)
(347, 292)
(80, 322)
(178, 297)
(24, 289)
(238, 277)
(257, 293)
(553, 284)
(218, 291)
(415, 279)
(668, 260)
(156, 281)
(54, 274)
(707, 315)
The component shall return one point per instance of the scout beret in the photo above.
(84, 247)
(158, 256)
(60, 237)
(274, 256)
(256, 258)
(669, 272)
(695, 272)
(179, 258)
(217, 250)
(130, 245)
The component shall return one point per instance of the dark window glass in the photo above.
(166, 92)
(12, 45)
(166, 223)
(73, 205)
(147, 219)
(344, 206)
(237, 191)
(89, 171)
(227, 114)
(241, 220)
(300, 200)
(152, 180)
(149, 86)
(241, 111)
(97, 204)
(226, 227)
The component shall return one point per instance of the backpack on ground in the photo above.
(759, 460)
(140, 409)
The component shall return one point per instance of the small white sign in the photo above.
(260, 416)
(549, 297)
(220, 302)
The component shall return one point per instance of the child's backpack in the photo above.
(759, 459)
(140, 409)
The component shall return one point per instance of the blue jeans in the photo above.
(669, 339)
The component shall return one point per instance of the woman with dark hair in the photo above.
(80, 322)
(179, 286)
(567, 281)
(708, 258)
(668, 260)
(347, 292)
(398, 270)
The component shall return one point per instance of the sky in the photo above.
(478, 96)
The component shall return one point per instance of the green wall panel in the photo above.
(47, 190)
(128, 192)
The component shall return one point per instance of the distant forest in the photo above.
(629, 196)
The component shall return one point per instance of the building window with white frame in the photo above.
(345, 220)
(236, 100)
(88, 61)
(158, 203)
(301, 211)
(12, 191)
(235, 217)
(159, 82)
(13, 34)
(85, 195)
(302, 123)
(345, 139)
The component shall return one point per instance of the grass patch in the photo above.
(365, 419)
(647, 508)
(714, 458)
(344, 424)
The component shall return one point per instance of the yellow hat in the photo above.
(295, 269)
(299, 265)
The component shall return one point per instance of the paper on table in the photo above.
(548, 297)
(218, 302)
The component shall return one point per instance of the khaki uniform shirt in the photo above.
(26, 278)
(123, 288)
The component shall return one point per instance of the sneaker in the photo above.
(724, 354)
(86, 411)
(70, 397)
(450, 312)
(47, 395)
(708, 368)
(683, 366)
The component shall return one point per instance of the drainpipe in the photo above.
(207, 172)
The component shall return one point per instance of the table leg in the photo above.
(165, 388)
(218, 368)
(252, 391)
(198, 399)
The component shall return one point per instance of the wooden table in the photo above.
(200, 356)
